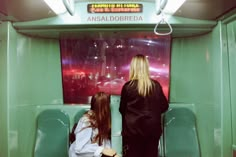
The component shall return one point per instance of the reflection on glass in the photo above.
(91, 64)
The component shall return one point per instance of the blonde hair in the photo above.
(139, 70)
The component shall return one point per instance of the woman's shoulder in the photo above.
(83, 122)
(86, 116)
(156, 83)
(127, 82)
(130, 83)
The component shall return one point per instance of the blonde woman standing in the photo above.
(142, 103)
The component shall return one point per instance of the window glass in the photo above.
(100, 62)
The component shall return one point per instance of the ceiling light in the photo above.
(57, 6)
(172, 6)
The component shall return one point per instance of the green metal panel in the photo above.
(231, 34)
(116, 124)
(22, 130)
(4, 43)
(35, 71)
(34, 80)
(226, 132)
(197, 68)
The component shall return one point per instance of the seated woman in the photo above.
(93, 131)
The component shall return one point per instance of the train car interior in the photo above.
(52, 60)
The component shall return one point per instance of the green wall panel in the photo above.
(194, 68)
(22, 131)
(197, 78)
(226, 121)
(231, 33)
(3, 89)
(35, 71)
(34, 80)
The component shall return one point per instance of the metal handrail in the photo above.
(160, 5)
(163, 21)
(69, 7)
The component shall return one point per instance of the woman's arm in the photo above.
(163, 101)
(82, 134)
(122, 100)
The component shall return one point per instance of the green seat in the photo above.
(79, 114)
(180, 133)
(52, 134)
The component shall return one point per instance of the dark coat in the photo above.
(141, 116)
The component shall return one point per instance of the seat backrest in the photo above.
(79, 114)
(52, 134)
(180, 133)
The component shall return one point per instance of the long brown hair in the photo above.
(101, 119)
(139, 70)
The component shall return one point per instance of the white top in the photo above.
(83, 146)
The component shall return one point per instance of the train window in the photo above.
(93, 63)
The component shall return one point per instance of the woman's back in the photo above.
(86, 144)
(93, 131)
(141, 105)
(142, 112)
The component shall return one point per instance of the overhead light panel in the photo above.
(57, 6)
(172, 6)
